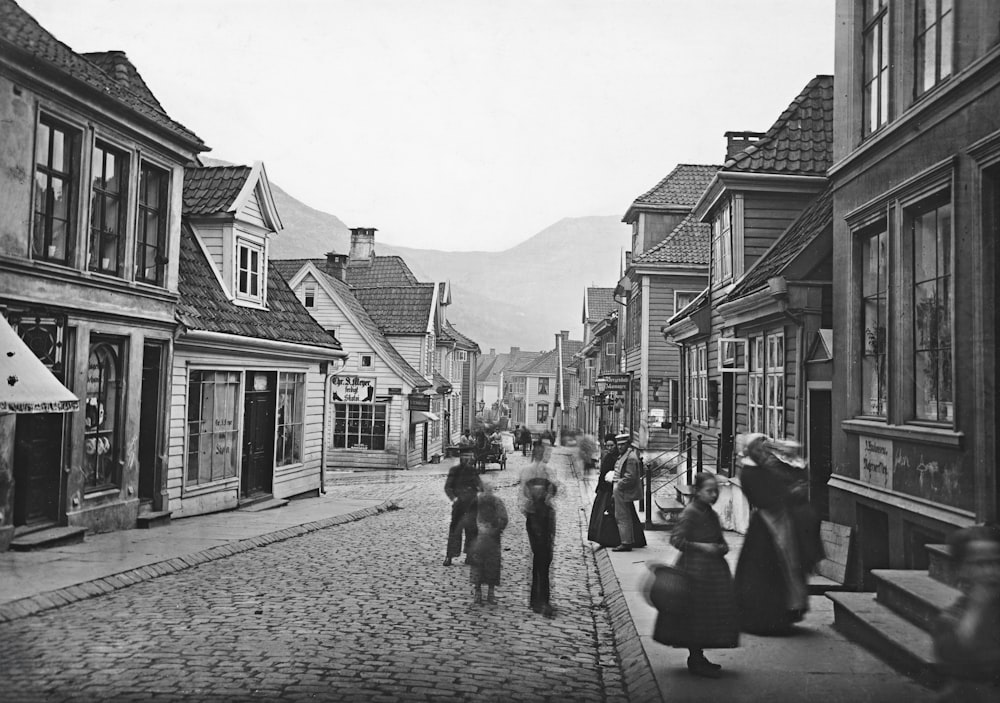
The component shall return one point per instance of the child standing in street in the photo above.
(484, 557)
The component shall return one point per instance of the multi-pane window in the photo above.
(103, 414)
(213, 412)
(436, 424)
(543, 386)
(107, 210)
(698, 383)
(932, 313)
(520, 385)
(309, 299)
(542, 414)
(151, 228)
(362, 426)
(755, 388)
(633, 322)
(249, 262)
(291, 395)
(875, 76)
(933, 43)
(683, 298)
(875, 310)
(722, 244)
(56, 174)
(774, 425)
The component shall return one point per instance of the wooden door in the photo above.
(258, 434)
(727, 440)
(820, 450)
(150, 420)
(37, 462)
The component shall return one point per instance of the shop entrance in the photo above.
(150, 412)
(258, 434)
(37, 460)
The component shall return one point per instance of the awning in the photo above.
(423, 416)
(26, 384)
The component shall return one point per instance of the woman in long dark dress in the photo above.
(603, 527)
(782, 542)
(710, 620)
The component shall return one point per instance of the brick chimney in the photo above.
(493, 352)
(515, 350)
(564, 334)
(739, 141)
(362, 244)
(335, 264)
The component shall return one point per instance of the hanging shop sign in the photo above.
(419, 402)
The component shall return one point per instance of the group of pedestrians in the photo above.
(479, 517)
(614, 521)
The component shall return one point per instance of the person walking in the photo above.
(462, 488)
(627, 489)
(491, 521)
(538, 492)
(709, 619)
(525, 441)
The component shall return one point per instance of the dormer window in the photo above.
(722, 244)
(249, 271)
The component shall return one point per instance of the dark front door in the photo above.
(820, 451)
(258, 433)
(37, 459)
(149, 420)
(427, 431)
(727, 439)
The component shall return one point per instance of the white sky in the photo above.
(462, 124)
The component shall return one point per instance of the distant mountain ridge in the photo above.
(520, 297)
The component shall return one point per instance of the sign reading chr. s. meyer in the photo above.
(352, 389)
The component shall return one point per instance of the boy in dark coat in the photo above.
(491, 521)
(462, 488)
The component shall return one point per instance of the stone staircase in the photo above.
(895, 621)
(30, 540)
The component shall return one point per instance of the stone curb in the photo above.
(23, 607)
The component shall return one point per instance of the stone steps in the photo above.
(941, 566)
(268, 504)
(913, 594)
(149, 520)
(48, 538)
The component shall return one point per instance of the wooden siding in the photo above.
(214, 238)
(411, 348)
(251, 211)
(765, 217)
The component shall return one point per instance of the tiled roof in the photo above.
(688, 243)
(489, 367)
(20, 30)
(290, 267)
(203, 305)
(548, 362)
(117, 65)
(440, 382)
(801, 140)
(450, 334)
(398, 309)
(212, 189)
(381, 271)
(600, 303)
(681, 188)
(800, 234)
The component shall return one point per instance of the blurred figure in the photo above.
(586, 449)
(462, 488)
(517, 437)
(782, 542)
(627, 489)
(967, 635)
(709, 619)
(491, 521)
(466, 439)
(525, 440)
(538, 492)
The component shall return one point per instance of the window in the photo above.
(249, 270)
(107, 210)
(102, 419)
(362, 426)
(462, 355)
(875, 301)
(633, 322)
(543, 386)
(366, 361)
(609, 349)
(213, 409)
(310, 295)
(683, 298)
(333, 332)
(436, 424)
(875, 67)
(722, 244)
(932, 313)
(755, 388)
(520, 385)
(542, 412)
(933, 43)
(291, 395)
(774, 425)
(698, 384)
(56, 173)
(151, 229)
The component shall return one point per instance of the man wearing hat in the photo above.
(626, 491)
(462, 488)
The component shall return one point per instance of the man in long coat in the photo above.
(627, 490)
(462, 488)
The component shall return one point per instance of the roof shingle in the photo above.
(380, 271)
(681, 188)
(688, 243)
(212, 189)
(398, 309)
(450, 334)
(600, 303)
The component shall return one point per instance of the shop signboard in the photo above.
(615, 382)
(419, 402)
(352, 389)
(876, 461)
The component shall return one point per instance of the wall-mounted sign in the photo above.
(876, 461)
(614, 382)
(419, 402)
(352, 389)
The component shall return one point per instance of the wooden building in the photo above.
(540, 389)
(90, 240)
(598, 306)
(250, 366)
(916, 178)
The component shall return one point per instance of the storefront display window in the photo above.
(103, 409)
(290, 421)
(213, 409)
(361, 426)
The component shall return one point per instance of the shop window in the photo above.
(362, 426)
(56, 181)
(103, 414)
(933, 44)
(543, 386)
(107, 210)
(249, 271)
(875, 307)
(291, 399)
(151, 229)
(213, 409)
(875, 65)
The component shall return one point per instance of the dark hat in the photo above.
(609, 437)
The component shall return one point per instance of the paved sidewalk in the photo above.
(816, 664)
(34, 581)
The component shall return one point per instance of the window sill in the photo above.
(293, 465)
(98, 493)
(923, 434)
(203, 488)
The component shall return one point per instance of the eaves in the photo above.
(742, 181)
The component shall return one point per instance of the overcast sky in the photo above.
(462, 124)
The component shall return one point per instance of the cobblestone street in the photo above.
(359, 612)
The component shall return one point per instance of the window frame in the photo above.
(677, 293)
(141, 235)
(920, 87)
(542, 389)
(252, 248)
(722, 244)
(71, 185)
(103, 196)
(362, 358)
(377, 409)
(883, 346)
(235, 379)
(309, 295)
(775, 423)
(118, 347)
(756, 380)
(539, 407)
(698, 383)
(296, 427)
(880, 25)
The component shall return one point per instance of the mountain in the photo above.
(518, 297)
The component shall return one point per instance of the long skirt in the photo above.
(765, 592)
(603, 528)
(710, 620)
(484, 558)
